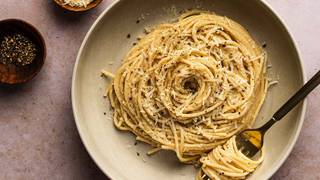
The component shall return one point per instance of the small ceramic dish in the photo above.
(92, 5)
(12, 74)
(107, 42)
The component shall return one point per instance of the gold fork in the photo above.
(250, 141)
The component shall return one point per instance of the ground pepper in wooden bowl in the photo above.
(17, 49)
(22, 51)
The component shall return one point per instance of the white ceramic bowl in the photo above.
(106, 44)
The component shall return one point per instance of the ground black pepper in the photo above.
(17, 49)
(264, 45)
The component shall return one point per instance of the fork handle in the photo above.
(299, 96)
(293, 101)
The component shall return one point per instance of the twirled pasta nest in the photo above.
(189, 86)
(227, 162)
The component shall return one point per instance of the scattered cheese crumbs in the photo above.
(107, 74)
(143, 159)
(77, 3)
(147, 30)
(171, 11)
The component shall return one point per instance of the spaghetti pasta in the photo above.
(227, 162)
(190, 85)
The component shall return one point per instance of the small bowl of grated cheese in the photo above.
(78, 5)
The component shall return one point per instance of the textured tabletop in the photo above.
(39, 139)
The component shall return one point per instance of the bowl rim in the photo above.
(108, 170)
(42, 44)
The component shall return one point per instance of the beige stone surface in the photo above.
(38, 137)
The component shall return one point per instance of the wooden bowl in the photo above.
(12, 74)
(92, 5)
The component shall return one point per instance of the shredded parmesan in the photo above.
(77, 3)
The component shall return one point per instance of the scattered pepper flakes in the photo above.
(264, 45)
(128, 36)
